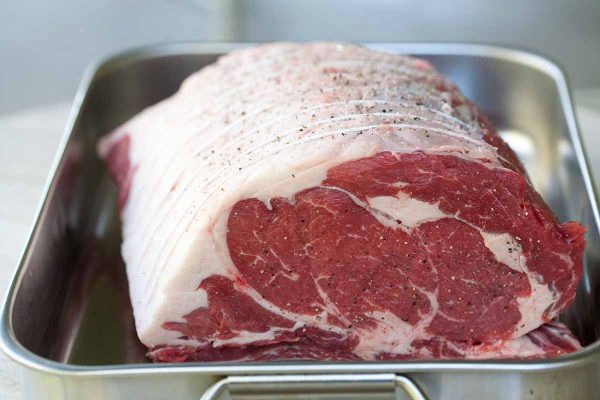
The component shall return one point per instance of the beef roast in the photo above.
(328, 201)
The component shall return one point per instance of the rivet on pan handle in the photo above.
(358, 386)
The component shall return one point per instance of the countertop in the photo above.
(29, 141)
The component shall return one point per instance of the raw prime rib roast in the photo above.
(330, 202)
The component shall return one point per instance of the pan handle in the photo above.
(357, 386)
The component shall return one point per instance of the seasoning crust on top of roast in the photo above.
(328, 201)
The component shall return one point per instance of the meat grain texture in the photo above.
(327, 201)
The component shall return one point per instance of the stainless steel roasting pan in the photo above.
(67, 318)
